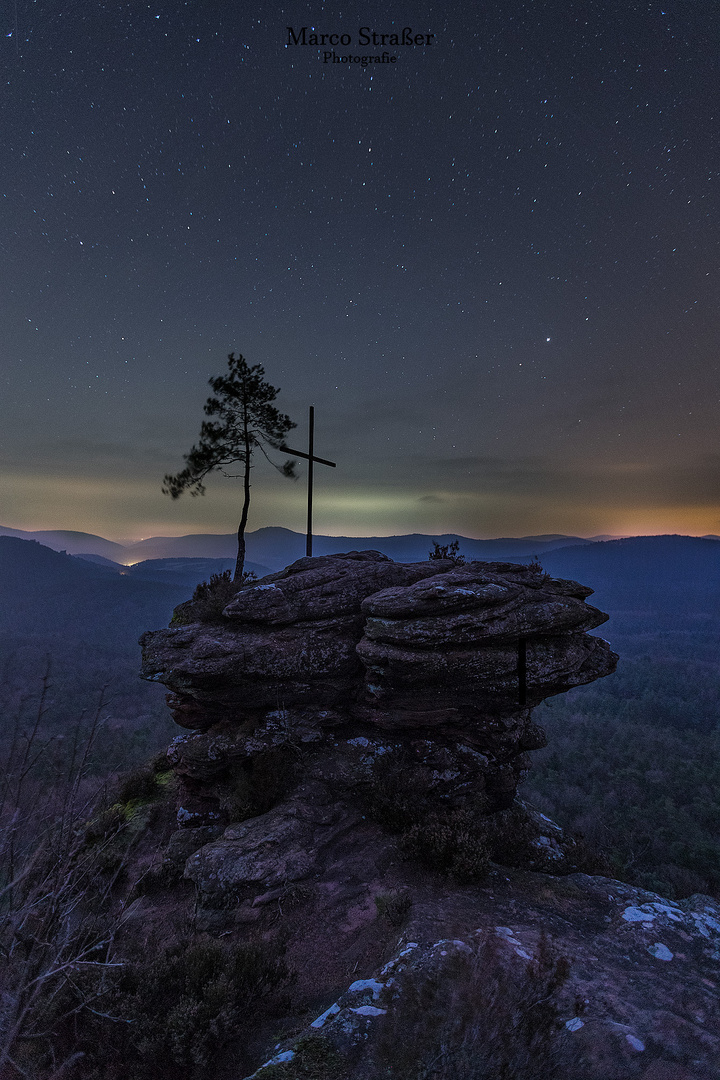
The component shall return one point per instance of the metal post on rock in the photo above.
(522, 671)
(311, 459)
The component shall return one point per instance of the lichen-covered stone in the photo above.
(609, 997)
(322, 588)
(282, 846)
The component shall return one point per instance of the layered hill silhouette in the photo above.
(650, 577)
(274, 548)
(46, 592)
(187, 572)
(43, 589)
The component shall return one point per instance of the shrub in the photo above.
(315, 1059)
(460, 840)
(474, 1017)
(213, 595)
(510, 834)
(182, 1007)
(139, 786)
(535, 567)
(210, 598)
(450, 842)
(394, 906)
(397, 791)
(447, 551)
(400, 797)
(256, 786)
(107, 822)
(157, 878)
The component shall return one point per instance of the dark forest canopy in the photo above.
(621, 739)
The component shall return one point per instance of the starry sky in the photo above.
(491, 265)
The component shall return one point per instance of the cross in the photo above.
(311, 459)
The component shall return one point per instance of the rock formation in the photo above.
(356, 732)
(357, 646)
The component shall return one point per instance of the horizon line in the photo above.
(130, 542)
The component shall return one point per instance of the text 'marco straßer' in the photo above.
(365, 36)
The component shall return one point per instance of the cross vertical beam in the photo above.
(311, 459)
(311, 447)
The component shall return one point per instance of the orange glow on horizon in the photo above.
(128, 513)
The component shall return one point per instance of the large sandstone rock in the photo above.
(360, 643)
(404, 647)
(249, 668)
(472, 605)
(288, 641)
(322, 588)
(489, 674)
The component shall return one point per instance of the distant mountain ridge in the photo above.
(639, 574)
(46, 592)
(658, 577)
(275, 547)
(172, 571)
(68, 541)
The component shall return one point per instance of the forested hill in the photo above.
(653, 579)
(634, 760)
(48, 592)
(76, 624)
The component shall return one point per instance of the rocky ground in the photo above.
(397, 965)
(356, 733)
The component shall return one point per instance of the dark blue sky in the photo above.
(492, 265)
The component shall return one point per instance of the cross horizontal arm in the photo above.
(309, 457)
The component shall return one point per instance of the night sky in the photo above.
(492, 265)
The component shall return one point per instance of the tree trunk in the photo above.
(240, 561)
